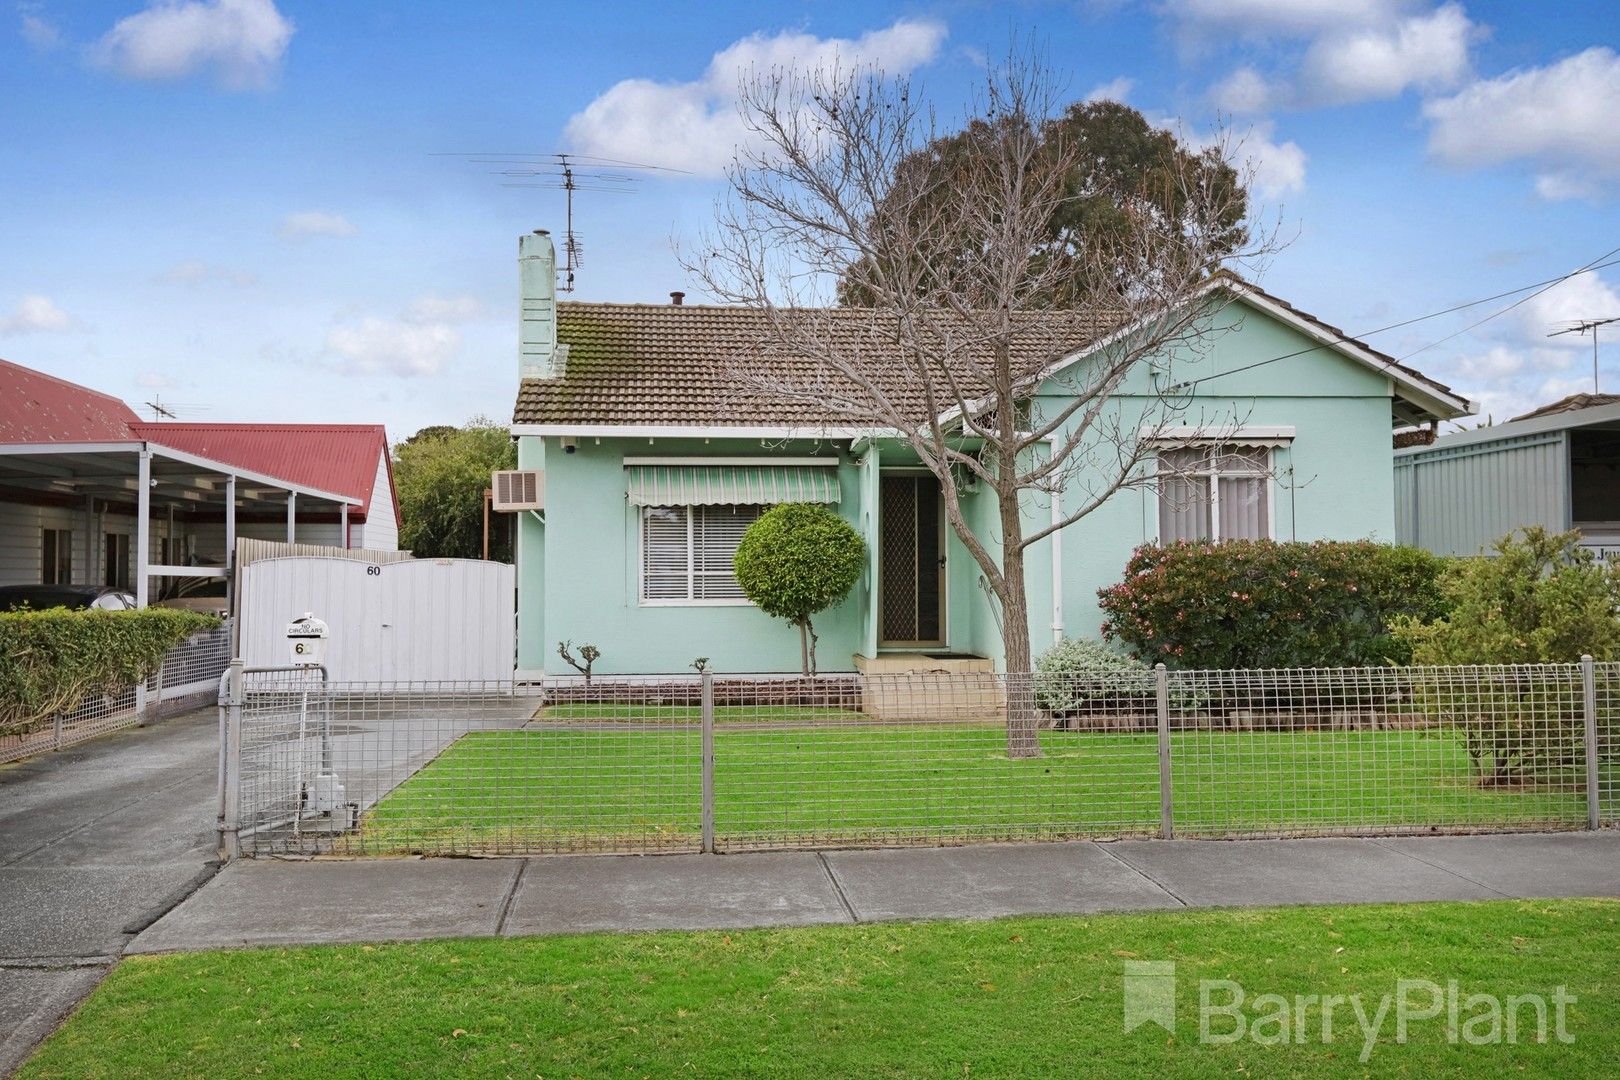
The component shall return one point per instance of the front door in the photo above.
(911, 561)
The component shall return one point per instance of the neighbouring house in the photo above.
(92, 494)
(1557, 467)
(654, 461)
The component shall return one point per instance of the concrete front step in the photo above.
(919, 686)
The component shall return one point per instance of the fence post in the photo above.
(230, 788)
(1589, 709)
(708, 762)
(1161, 687)
(56, 730)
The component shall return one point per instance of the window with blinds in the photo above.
(1214, 493)
(687, 553)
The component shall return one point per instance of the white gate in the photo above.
(413, 621)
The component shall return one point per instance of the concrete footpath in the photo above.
(270, 902)
(95, 842)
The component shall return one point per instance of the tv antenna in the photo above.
(1581, 326)
(568, 173)
(170, 410)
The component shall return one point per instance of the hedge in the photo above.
(1264, 603)
(52, 660)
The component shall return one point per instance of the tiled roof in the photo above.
(339, 458)
(1573, 403)
(712, 366)
(641, 364)
(40, 408)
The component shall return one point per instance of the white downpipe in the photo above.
(1057, 554)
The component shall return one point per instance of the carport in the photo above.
(141, 478)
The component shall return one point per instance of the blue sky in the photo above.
(235, 204)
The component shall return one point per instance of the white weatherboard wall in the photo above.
(415, 621)
(381, 531)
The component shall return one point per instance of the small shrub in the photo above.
(52, 660)
(1541, 599)
(796, 561)
(1266, 604)
(1075, 675)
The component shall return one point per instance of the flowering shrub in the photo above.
(1264, 603)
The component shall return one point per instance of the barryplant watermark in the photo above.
(1229, 1013)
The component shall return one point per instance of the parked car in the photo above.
(79, 597)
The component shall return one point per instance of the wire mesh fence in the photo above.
(188, 679)
(663, 764)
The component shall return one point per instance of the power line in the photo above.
(1601, 262)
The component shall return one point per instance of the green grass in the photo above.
(692, 714)
(1024, 998)
(841, 783)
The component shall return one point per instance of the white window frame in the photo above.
(643, 600)
(1213, 476)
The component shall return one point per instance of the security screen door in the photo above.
(911, 561)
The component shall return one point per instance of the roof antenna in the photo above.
(570, 173)
(1581, 326)
(158, 410)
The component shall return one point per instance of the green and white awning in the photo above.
(731, 485)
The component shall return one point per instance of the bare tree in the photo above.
(973, 309)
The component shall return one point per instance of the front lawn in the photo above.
(1012, 998)
(627, 788)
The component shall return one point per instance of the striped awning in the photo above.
(731, 485)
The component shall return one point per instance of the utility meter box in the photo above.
(306, 641)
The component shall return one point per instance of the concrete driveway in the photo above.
(95, 843)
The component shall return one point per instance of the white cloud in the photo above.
(420, 342)
(196, 272)
(1265, 18)
(242, 41)
(1276, 168)
(1243, 91)
(316, 223)
(41, 35)
(153, 380)
(695, 125)
(35, 315)
(1428, 51)
(1559, 118)
(1376, 57)
(384, 345)
(1114, 90)
(1584, 296)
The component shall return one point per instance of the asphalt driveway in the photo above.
(95, 843)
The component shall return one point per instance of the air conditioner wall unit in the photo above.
(518, 489)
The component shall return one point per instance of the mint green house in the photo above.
(652, 462)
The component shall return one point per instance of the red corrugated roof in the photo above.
(39, 408)
(340, 458)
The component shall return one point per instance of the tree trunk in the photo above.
(804, 646)
(1023, 722)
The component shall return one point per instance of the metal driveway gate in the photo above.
(414, 621)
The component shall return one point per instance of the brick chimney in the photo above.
(538, 354)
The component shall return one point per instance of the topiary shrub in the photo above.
(796, 561)
(1270, 604)
(52, 660)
